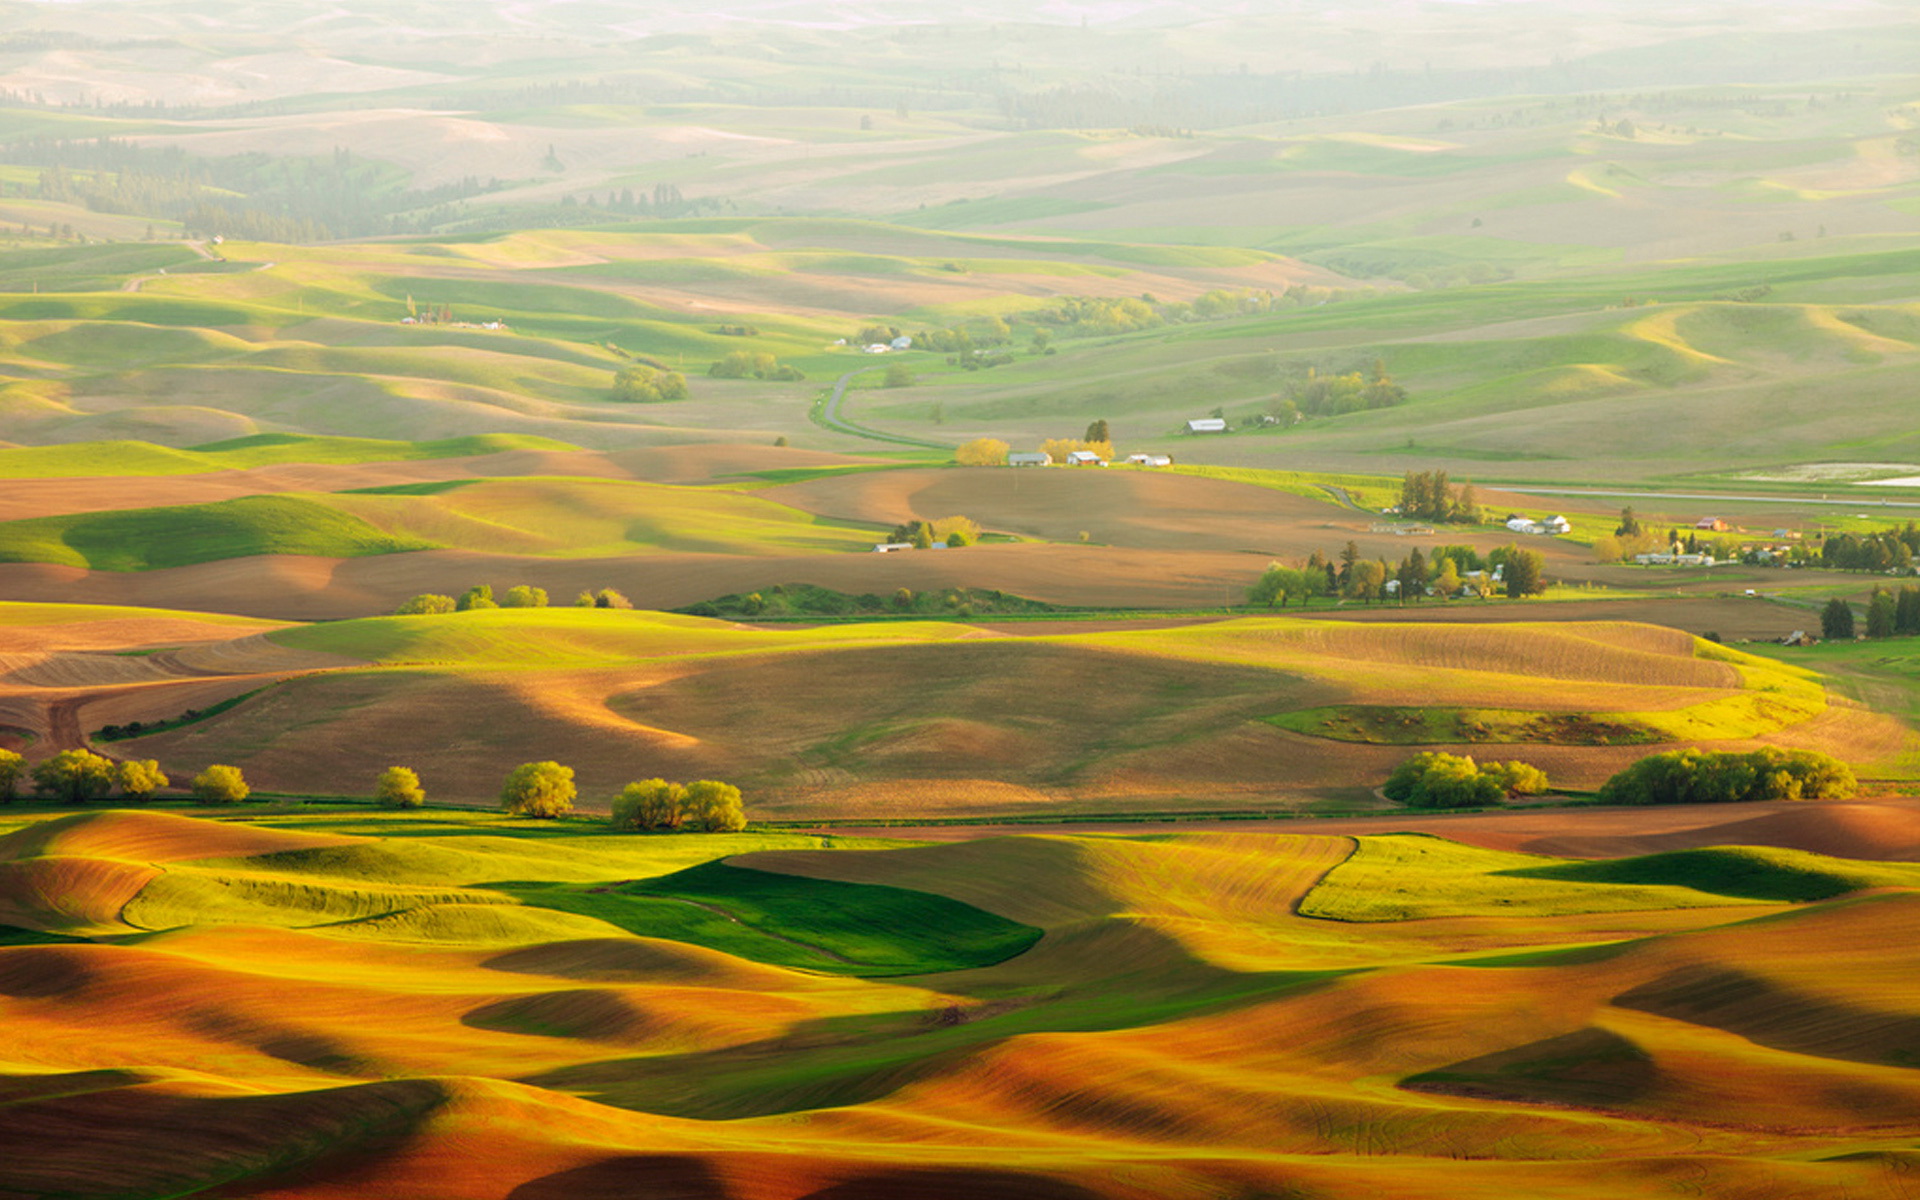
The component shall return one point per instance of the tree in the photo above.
(12, 766)
(524, 596)
(1836, 621)
(1906, 611)
(608, 598)
(1278, 584)
(922, 536)
(898, 375)
(1367, 582)
(650, 804)
(1881, 612)
(583, 600)
(479, 596)
(1098, 432)
(1447, 584)
(1524, 572)
(74, 776)
(139, 779)
(642, 384)
(538, 789)
(1349, 555)
(1629, 526)
(1518, 778)
(982, 452)
(399, 787)
(220, 784)
(715, 807)
(426, 604)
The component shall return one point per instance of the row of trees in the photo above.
(1435, 780)
(1427, 496)
(480, 596)
(749, 364)
(546, 790)
(1889, 614)
(1887, 550)
(81, 776)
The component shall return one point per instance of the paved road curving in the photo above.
(829, 416)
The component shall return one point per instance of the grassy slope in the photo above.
(141, 458)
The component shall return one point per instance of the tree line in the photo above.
(480, 597)
(1427, 496)
(1448, 572)
(546, 790)
(1889, 614)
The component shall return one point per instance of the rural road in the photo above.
(829, 416)
(1856, 502)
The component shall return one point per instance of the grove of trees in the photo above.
(706, 805)
(749, 364)
(1726, 776)
(982, 452)
(643, 384)
(1427, 496)
(1435, 780)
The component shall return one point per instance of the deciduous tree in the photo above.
(74, 776)
(220, 784)
(140, 778)
(12, 767)
(982, 452)
(538, 789)
(650, 804)
(715, 807)
(426, 604)
(399, 787)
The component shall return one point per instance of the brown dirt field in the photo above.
(150, 837)
(301, 588)
(1134, 509)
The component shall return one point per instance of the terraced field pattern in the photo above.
(322, 1003)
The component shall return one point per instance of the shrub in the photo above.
(715, 807)
(583, 600)
(1435, 780)
(1723, 777)
(73, 776)
(538, 789)
(898, 375)
(524, 596)
(399, 787)
(139, 779)
(608, 598)
(650, 804)
(480, 595)
(12, 766)
(220, 784)
(426, 604)
(747, 364)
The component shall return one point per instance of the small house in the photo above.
(1207, 425)
(1557, 525)
(890, 547)
(1085, 458)
(1710, 525)
(1150, 460)
(1034, 459)
(902, 343)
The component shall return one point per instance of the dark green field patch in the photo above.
(146, 539)
(793, 921)
(1747, 872)
(1391, 726)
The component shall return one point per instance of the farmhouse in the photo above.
(1710, 525)
(1033, 459)
(1085, 458)
(1675, 560)
(1207, 425)
(890, 547)
(1150, 460)
(1547, 528)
